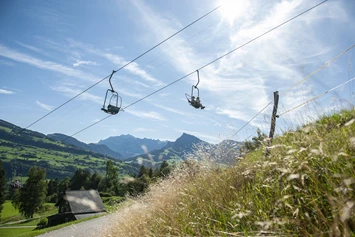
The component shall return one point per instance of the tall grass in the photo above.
(304, 188)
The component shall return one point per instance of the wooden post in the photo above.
(273, 121)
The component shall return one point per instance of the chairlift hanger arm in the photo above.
(113, 72)
(198, 78)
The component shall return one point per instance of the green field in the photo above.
(58, 164)
(13, 224)
(8, 211)
(22, 149)
(27, 228)
(9, 214)
(14, 232)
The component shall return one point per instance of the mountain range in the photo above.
(129, 145)
(127, 150)
(96, 148)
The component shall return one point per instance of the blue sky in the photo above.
(52, 50)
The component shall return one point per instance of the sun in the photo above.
(231, 10)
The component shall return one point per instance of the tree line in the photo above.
(29, 197)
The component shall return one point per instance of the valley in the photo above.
(62, 155)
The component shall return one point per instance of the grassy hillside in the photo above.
(20, 151)
(304, 188)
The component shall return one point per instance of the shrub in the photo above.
(106, 194)
(42, 223)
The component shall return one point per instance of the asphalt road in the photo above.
(94, 227)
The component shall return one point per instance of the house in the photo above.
(76, 205)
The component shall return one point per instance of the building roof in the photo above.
(84, 201)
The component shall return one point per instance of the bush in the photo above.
(52, 198)
(106, 194)
(42, 223)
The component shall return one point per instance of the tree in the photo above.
(142, 171)
(110, 182)
(256, 142)
(80, 180)
(150, 173)
(52, 187)
(64, 185)
(52, 190)
(164, 169)
(95, 180)
(2, 185)
(33, 193)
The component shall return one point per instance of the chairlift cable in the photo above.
(272, 29)
(141, 55)
(305, 78)
(319, 69)
(224, 55)
(251, 119)
(198, 42)
(316, 97)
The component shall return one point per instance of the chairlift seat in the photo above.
(113, 109)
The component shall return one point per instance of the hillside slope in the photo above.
(20, 151)
(96, 148)
(304, 188)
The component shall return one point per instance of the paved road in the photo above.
(94, 227)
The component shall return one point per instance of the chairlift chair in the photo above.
(115, 103)
(191, 98)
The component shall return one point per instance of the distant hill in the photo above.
(97, 148)
(129, 146)
(20, 151)
(189, 146)
(226, 151)
(178, 150)
(186, 143)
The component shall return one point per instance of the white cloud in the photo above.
(130, 93)
(47, 65)
(172, 110)
(242, 83)
(30, 47)
(81, 62)
(225, 85)
(3, 91)
(130, 81)
(69, 92)
(44, 106)
(132, 68)
(151, 115)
